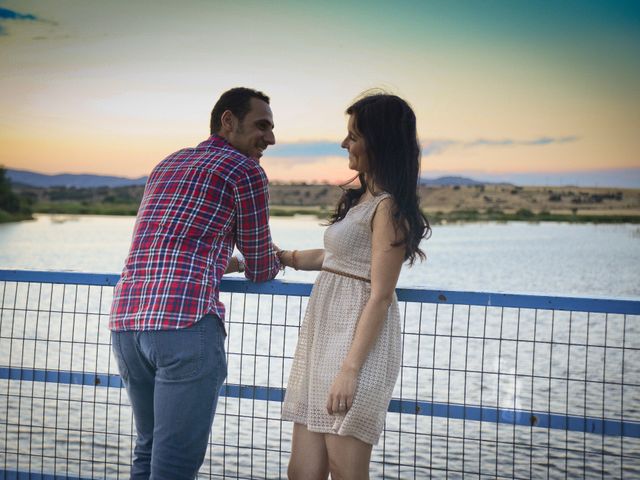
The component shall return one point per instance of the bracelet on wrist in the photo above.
(294, 261)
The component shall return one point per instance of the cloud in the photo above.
(435, 147)
(9, 15)
(6, 14)
(306, 151)
(313, 151)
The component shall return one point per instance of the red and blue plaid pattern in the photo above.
(198, 203)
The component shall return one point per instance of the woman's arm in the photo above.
(303, 259)
(386, 263)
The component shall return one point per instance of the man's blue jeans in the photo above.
(173, 378)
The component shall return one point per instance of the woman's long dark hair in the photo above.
(388, 126)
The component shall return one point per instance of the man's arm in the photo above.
(253, 236)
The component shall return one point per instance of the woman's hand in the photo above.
(341, 392)
(233, 266)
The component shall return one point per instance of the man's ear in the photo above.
(228, 121)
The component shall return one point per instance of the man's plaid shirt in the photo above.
(198, 203)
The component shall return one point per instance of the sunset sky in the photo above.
(500, 88)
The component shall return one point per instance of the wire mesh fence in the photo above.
(491, 386)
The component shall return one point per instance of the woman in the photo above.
(348, 354)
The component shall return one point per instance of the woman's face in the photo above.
(355, 145)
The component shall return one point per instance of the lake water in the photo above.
(545, 258)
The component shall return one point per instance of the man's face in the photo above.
(255, 133)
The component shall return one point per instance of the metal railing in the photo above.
(491, 385)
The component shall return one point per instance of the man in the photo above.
(166, 317)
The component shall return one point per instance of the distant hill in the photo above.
(613, 178)
(450, 181)
(33, 179)
(601, 178)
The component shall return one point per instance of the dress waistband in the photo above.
(345, 274)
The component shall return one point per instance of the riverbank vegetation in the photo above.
(13, 207)
(441, 204)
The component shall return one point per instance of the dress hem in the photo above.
(302, 421)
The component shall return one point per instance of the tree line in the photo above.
(13, 207)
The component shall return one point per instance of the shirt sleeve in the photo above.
(253, 236)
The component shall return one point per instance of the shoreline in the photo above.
(13, 218)
(435, 218)
(441, 204)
